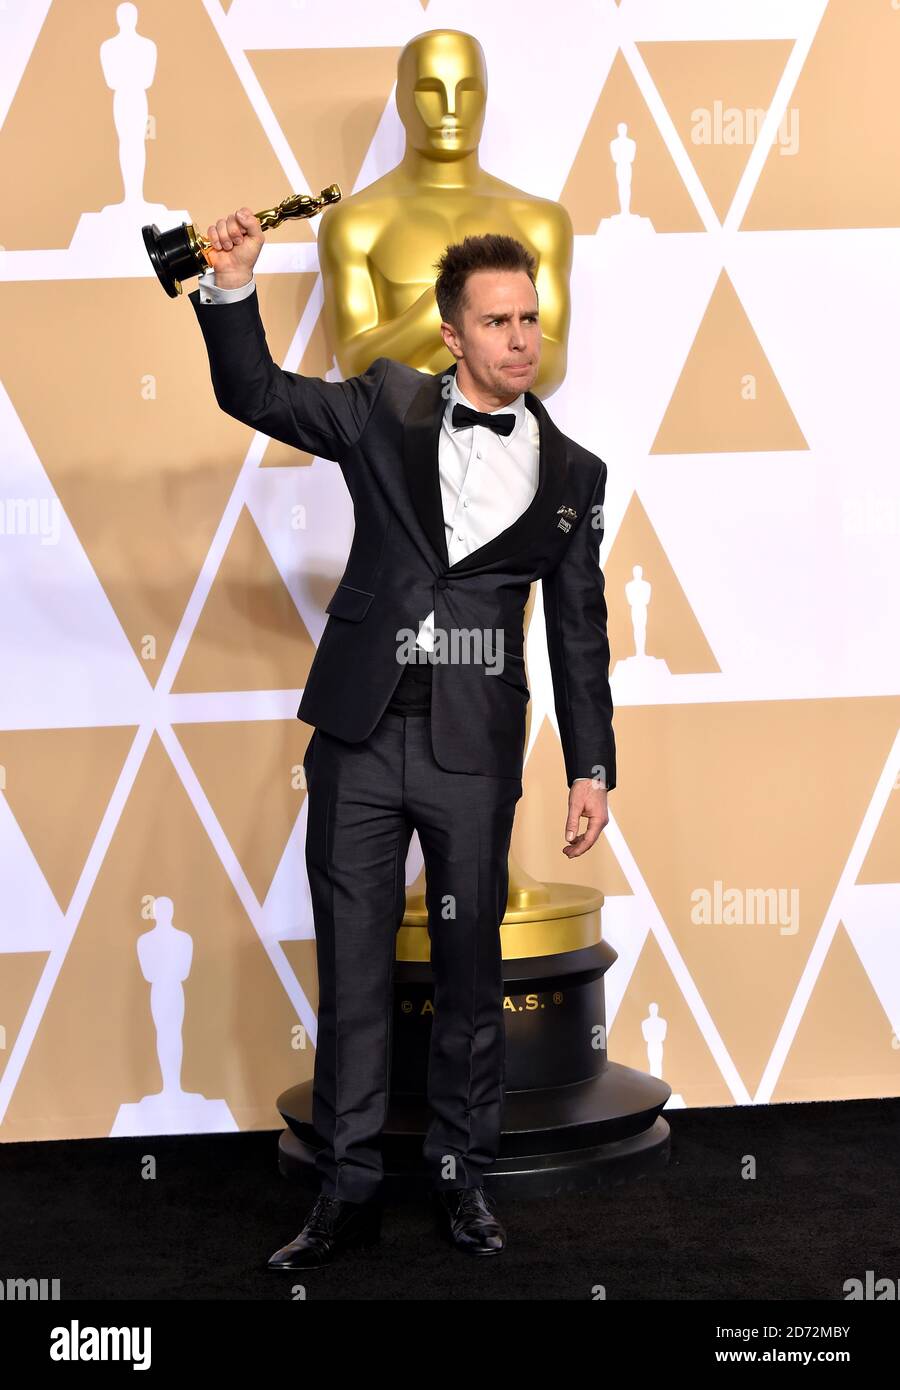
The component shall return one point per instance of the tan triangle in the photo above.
(540, 825)
(328, 102)
(882, 861)
(96, 1046)
(282, 303)
(764, 795)
(141, 456)
(590, 191)
(187, 167)
(316, 361)
(58, 783)
(673, 632)
(844, 1048)
(733, 76)
(302, 960)
(19, 979)
(727, 398)
(252, 773)
(688, 1066)
(249, 635)
(848, 137)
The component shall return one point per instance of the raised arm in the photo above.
(322, 417)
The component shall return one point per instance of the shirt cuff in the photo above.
(211, 293)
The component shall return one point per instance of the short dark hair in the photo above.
(493, 251)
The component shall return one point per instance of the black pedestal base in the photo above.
(593, 1134)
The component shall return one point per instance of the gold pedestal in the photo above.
(541, 919)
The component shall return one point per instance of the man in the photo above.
(464, 492)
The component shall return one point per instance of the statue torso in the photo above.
(403, 229)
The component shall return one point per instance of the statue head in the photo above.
(442, 92)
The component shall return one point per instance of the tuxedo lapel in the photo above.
(421, 461)
(421, 434)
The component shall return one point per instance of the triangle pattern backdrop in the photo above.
(165, 570)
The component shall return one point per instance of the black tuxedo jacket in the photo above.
(382, 427)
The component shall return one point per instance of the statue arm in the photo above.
(351, 300)
(553, 244)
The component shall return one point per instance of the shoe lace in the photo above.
(324, 1212)
(475, 1199)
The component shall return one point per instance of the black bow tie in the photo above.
(500, 424)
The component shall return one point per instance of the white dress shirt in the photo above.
(487, 479)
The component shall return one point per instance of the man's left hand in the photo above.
(588, 799)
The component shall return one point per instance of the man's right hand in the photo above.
(236, 242)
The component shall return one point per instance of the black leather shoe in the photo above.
(332, 1225)
(466, 1217)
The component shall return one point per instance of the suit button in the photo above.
(442, 582)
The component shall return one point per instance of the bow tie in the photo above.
(500, 424)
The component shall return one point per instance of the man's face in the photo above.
(499, 341)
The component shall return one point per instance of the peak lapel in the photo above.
(421, 437)
(533, 523)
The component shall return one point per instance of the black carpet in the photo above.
(821, 1209)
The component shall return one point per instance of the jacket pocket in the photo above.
(350, 603)
(512, 670)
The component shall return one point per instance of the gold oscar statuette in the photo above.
(181, 252)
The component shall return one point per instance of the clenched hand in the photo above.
(236, 243)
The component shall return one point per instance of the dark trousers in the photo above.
(364, 800)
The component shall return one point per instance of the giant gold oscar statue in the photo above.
(376, 253)
(572, 1119)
